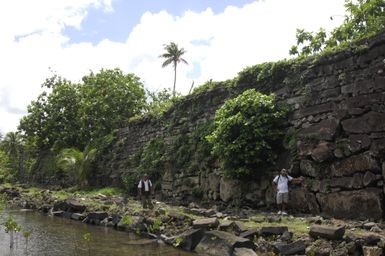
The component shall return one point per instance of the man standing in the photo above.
(281, 184)
(145, 190)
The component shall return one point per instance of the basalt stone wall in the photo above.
(337, 137)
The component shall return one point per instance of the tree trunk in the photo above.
(173, 91)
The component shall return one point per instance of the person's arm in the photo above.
(274, 183)
(298, 180)
(140, 188)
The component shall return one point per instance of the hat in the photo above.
(284, 171)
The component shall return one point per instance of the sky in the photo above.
(70, 38)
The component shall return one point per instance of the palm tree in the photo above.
(173, 55)
(76, 163)
(13, 146)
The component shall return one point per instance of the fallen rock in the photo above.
(244, 252)
(372, 251)
(328, 232)
(96, 217)
(222, 243)
(268, 231)
(190, 239)
(206, 223)
(74, 206)
(250, 234)
(320, 248)
(297, 247)
(77, 216)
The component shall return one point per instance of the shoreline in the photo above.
(206, 231)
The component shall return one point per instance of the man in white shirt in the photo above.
(281, 184)
(145, 190)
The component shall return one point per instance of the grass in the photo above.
(296, 225)
(107, 191)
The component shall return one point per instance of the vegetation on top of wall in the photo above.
(363, 19)
(248, 130)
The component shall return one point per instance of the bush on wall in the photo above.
(248, 131)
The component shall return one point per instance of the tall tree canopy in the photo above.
(173, 55)
(74, 115)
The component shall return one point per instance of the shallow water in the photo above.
(53, 236)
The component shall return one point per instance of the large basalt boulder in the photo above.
(322, 152)
(295, 248)
(269, 231)
(229, 189)
(317, 109)
(357, 163)
(222, 243)
(324, 130)
(356, 204)
(75, 206)
(96, 217)
(370, 122)
(328, 232)
(303, 200)
(190, 239)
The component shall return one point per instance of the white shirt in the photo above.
(147, 184)
(282, 183)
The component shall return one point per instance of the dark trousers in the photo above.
(146, 200)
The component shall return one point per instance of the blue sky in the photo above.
(99, 24)
(73, 37)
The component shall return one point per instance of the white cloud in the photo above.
(219, 44)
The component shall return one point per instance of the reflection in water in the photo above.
(52, 236)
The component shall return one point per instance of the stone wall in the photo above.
(337, 138)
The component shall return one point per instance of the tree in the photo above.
(53, 119)
(364, 18)
(13, 147)
(248, 131)
(77, 164)
(173, 55)
(108, 100)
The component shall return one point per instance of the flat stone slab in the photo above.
(297, 247)
(206, 223)
(222, 243)
(250, 233)
(328, 232)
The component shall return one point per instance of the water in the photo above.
(53, 236)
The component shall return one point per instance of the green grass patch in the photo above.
(107, 191)
(296, 225)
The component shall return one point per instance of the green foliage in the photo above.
(129, 182)
(6, 173)
(248, 131)
(127, 220)
(11, 227)
(211, 85)
(173, 55)
(155, 227)
(364, 18)
(267, 76)
(158, 103)
(178, 240)
(77, 164)
(108, 99)
(73, 115)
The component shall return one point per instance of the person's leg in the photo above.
(279, 202)
(285, 200)
(144, 201)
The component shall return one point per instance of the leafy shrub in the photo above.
(248, 132)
